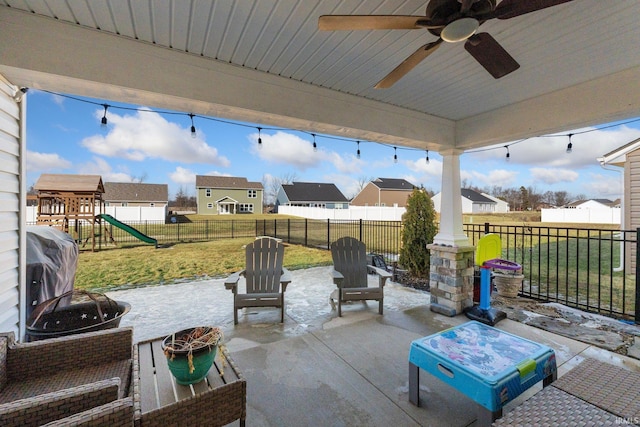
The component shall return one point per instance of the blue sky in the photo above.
(64, 136)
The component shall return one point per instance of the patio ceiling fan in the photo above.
(451, 21)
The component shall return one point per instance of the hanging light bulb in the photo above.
(259, 138)
(193, 128)
(508, 155)
(570, 145)
(358, 152)
(427, 158)
(395, 155)
(315, 146)
(103, 122)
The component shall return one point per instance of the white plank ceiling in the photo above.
(567, 49)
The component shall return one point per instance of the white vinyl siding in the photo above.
(12, 249)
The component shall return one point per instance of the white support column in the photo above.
(451, 232)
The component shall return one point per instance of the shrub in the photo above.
(418, 230)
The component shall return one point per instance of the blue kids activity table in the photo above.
(488, 365)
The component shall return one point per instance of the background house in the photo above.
(311, 194)
(592, 211)
(472, 202)
(135, 194)
(591, 204)
(501, 205)
(384, 192)
(216, 195)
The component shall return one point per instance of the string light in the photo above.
(358, 152)
(104, 117)
(395, 155)
(193, 128)
(259, 138)
(315, 146)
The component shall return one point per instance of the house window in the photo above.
(246, 207)
(252, 194)
(209, 205)
(207, 192)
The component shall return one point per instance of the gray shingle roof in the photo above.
(208, 181)
(474, 196)
(313, 192)
(393, 184)
(132, 191)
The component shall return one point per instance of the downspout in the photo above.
(620, 267)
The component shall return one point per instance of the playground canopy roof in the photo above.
(69, 183)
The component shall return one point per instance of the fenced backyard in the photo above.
(593, 269)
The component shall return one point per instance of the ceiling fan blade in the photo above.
(373, 22)
(408, 64)
(488, 52)
(466, 6)
(512, 8)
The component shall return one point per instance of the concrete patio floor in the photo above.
(318, 369)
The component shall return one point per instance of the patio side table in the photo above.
(488, 365)
(217, 400)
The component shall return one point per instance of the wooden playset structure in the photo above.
(65, 200)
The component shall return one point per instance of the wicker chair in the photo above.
(51, 380)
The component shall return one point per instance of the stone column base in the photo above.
(451, 278)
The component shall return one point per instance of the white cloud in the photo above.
(286, 148)
(348, 185)
(553, 175)
(496, 177)
(99, 166)
(346, 164)
(186, 176)
(183, 176)
(426, 174)
(147, 135)
(550, 151)
(45, 162)
(604, 186)
(57, 99)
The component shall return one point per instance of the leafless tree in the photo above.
(272, 185)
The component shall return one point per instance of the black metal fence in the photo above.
(586, 268)
(589, 269)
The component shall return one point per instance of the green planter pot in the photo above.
(178, 360)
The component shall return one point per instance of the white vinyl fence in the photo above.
(128, 214)
(604, 215)
(372, 213)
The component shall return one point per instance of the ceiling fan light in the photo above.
(459, 30)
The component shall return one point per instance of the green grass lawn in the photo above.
(143, 265)
(576, 264)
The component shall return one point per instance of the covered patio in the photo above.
(318, 369)
(266, 62)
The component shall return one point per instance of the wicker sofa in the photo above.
(82, 379)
